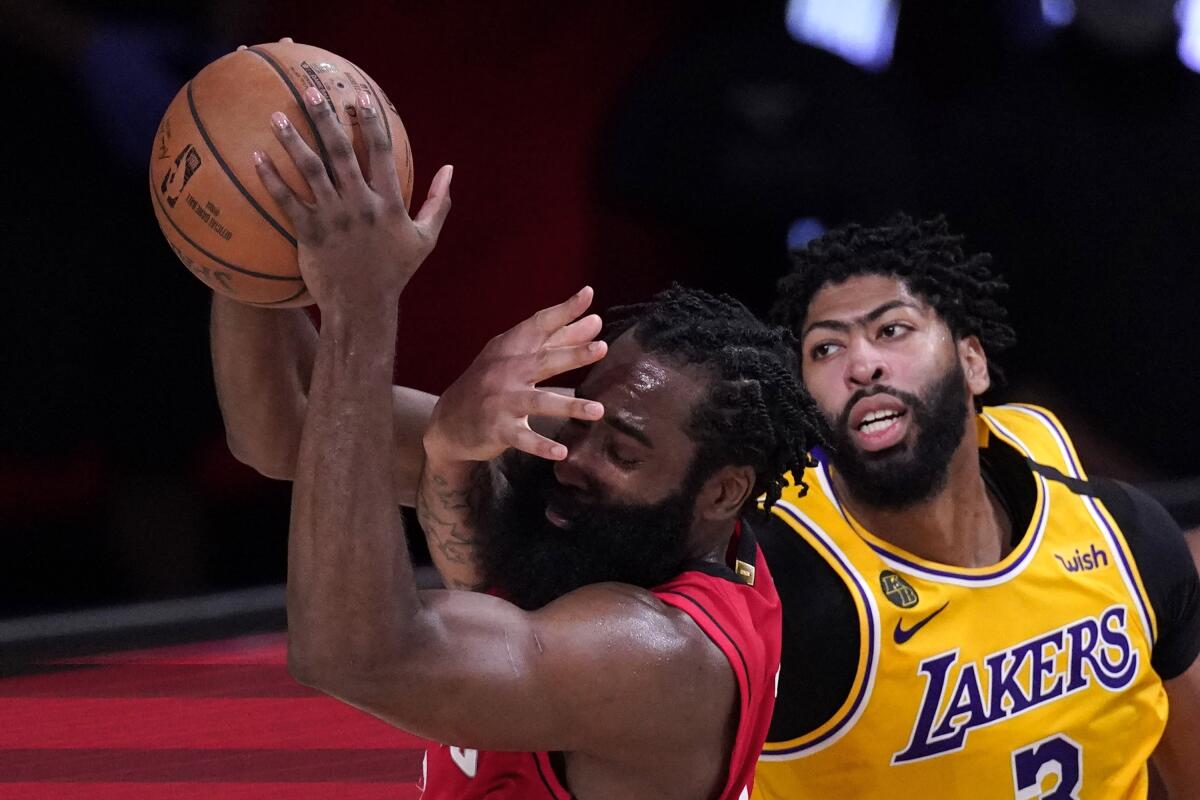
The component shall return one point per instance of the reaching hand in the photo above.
(486, 411)
(358, 245)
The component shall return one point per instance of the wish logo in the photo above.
(961, 697)
(1085, 562)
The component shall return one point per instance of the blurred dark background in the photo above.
(620, 143)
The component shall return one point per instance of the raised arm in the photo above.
(455, 666)
(262, 365)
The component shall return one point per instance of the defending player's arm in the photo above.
(454, 666)
(1177, 755)
(262, 364)
(1173, 585)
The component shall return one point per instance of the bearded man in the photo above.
(966, 612)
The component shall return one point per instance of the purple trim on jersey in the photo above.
(938, 573)
(862, 689)
(1110, 534)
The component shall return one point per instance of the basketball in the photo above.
(207, 198)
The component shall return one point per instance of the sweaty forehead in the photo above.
(632, 380)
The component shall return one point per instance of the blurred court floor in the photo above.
(218, 719)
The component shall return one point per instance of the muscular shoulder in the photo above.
(641, 645)
(653, 660)
(630, 614)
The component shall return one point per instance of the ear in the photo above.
(974, 365)
(725, 493)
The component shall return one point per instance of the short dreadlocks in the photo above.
(755, 412)
(924, 255)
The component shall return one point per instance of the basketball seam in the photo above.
(229, 173)
(312, 126)
(220, 261)
(303, 289)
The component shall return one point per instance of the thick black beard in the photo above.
(531, 562)
(902, 476)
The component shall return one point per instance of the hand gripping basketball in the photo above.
(358, 245)
(486, 411)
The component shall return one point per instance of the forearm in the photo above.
(351, 599)
(411, 410)
(262, 364)
(1175, 757)
(452, 500)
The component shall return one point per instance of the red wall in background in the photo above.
(514, 95)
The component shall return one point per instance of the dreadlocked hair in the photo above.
(924, 255)
(754, 412)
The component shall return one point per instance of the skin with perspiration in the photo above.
(641, 702)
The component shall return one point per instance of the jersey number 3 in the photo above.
(467, 760)
(1051, 769)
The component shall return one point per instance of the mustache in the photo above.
(538, 485)
(909, 399)
(568, 502)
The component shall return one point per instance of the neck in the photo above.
(711, 540)
(962, 525)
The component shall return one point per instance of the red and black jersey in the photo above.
(736, 606)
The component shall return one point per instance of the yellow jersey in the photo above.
(1029, 678)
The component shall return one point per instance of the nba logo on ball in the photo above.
(171, 187)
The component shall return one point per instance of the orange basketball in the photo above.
(209, 202)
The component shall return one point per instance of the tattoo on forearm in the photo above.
(450, 515)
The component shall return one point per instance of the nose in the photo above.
(865, 365)
(573, 471)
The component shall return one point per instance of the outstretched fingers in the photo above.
(342, 160)
(551, 361)
(549, 320)
(578, 332)
(309, 163)
(544, 403)
(295, 209)
(522, 437)
(380, 160)
(536, 331)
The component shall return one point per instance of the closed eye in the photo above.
(623, 460)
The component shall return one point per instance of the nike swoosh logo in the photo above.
(900, 635)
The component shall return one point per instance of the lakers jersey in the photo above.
(1028, 678)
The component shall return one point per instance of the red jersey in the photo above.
(737, 608)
